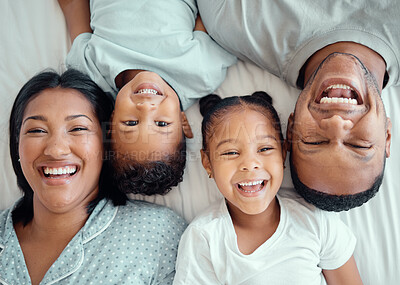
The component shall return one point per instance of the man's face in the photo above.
(147, 122)
(339, 131)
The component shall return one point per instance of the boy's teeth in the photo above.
(59, 170)
(147, 90)
(327, 100)
(251, 183)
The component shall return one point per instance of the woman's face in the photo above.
(61, 150)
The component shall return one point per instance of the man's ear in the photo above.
(388, 136)
(206, 162)
(187, 130)
(289, 133)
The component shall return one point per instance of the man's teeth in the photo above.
(339, 86)
(327, 100)
(59, 170)
(147, 91)
(251, 183)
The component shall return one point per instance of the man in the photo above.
(341, 55)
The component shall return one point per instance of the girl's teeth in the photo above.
(251, 183)
(327, 100)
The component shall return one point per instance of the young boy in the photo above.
(150, 53)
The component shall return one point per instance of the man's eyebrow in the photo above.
(38, 117)
(73, 117)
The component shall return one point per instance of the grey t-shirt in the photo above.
(280, 35)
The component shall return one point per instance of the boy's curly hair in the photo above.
(149, 178)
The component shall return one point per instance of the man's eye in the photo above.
(314, 143)
(131, 123)
(161, 123)
(359, 146)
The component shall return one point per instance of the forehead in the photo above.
(240, 124)
(59, 101)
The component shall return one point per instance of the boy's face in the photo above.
(147, 122)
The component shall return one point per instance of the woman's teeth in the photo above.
(147, 91)
(327, 100)
(59, 170)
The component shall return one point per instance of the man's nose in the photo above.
(336, 126)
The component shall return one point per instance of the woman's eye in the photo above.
(77, 129)
(131, 123)
(35, 131)
(161, 123)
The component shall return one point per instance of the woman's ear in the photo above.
(206, 162)
(187, 130)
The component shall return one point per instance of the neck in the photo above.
(270, 216)
(372, 60)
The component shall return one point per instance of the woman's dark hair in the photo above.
(102, 104)
(214, 109)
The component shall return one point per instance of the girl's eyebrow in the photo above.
(225, 141)
(266, 137)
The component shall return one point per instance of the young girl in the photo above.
(254, 236)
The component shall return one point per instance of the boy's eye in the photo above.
(230, 153)
(130, 123)
(161, 123)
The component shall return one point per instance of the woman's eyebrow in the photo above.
(73, 117)
(38, 117)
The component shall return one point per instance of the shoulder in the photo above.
(151, 215)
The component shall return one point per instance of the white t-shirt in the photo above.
(306, 241)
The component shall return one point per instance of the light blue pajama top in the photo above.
(153, 35)
(132, 244)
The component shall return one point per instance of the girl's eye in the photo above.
(130, 123)
(161, 123)
(230, 153)
(265, 149)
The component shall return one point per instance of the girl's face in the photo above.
(246, 160)
(61, 150)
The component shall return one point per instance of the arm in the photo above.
(346, 274)
(199, 26)
(77, 16)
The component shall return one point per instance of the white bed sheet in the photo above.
(33, 37)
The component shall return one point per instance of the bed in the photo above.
(34, 36)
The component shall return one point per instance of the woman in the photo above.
(70, 226)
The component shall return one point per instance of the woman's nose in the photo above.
(57, 146)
